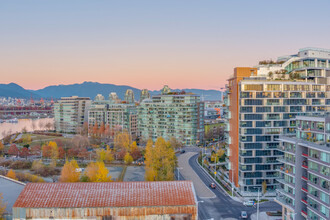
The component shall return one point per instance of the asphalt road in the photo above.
(223, 206)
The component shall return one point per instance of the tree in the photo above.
(122, 141)
(11, 174)
(24, 152)
(160, 161)
(80, 142)
(35, 150)
(264, 187)
(13, 150)
(83, 153)
(121, 154)
(69, 172)
(104, 155)
(97, 172)
(136, 154)
(221, 153)
(173, 142)
(2, 147)
(26, 139)
(2, 206)
(61, 153)
(128, 158)
(37, 166)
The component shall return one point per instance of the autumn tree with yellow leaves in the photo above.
(69, 172)
(97, 172)
(123, 141)
(11, 174)
(2, 206)
(2, 147)
(160, 161)
(128, 158)
(105, 155)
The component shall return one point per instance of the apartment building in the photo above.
(172, 114)
(304, 191)
(71, 113)
(115, 115)
(261, 104)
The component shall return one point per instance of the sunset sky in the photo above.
(146, 44)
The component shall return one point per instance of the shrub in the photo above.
(17, 165)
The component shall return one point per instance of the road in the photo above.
(222, 206)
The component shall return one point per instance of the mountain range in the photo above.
(89, 89)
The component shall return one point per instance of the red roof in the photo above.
(107, 194)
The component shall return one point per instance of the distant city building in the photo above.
(99, 97)
(166, 200)
(165, 90)
(129, 96)
(261, 104)
(71, 113)
(178, 115)
(304, 190)
(213, 110)
(113, 114)
(144, 95)
(113, 97)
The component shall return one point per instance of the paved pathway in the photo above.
(188, 173)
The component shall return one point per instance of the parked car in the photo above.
(244, 215)
(182, 151)
(212, 185)
(248, 203)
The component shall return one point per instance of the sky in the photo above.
(149, 43)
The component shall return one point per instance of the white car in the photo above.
(244, 214)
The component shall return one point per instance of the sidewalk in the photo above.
(189, 174)
(264, 216)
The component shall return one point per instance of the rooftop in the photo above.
(107, 194)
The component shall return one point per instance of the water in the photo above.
(28, 124)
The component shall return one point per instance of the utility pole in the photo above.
(232, 182)
(258, 206)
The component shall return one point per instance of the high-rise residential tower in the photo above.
(304, 191)
(71, 113)
(261, 104)
(144, 95)
(129, 96)
(172, 114)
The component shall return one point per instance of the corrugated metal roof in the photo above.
(107, 194)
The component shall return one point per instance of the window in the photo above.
(273, 87)
(252, 116)
(246, 109)
(245, 124)
(263, 124)
(253, 102)
(263, 109)
(279, 109)
(253, 87)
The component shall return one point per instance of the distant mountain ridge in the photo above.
(15, 91)
(90, 89)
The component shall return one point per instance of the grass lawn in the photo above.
(41, 139)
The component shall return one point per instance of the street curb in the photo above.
(216, 182)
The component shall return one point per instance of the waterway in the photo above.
(28, 124)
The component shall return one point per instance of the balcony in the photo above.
(305, 155)
(304, 166)
(304, 213)
(304, 178)
(305, 190)
(304, 201)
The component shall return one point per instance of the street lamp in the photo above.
(258, 203)
(179, 168)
